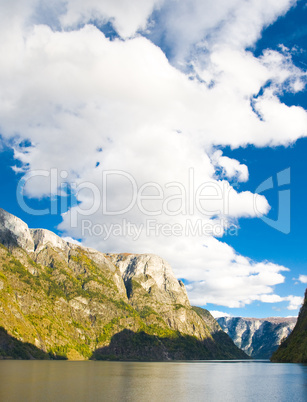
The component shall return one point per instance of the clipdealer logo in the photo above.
(208, 199)
(280, 184)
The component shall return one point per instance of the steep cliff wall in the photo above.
(294, 348)
(61, 300)
(259, 338)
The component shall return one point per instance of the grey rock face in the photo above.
(259, 338)
(150, 282)
(151, 272)
(43, 238)
(14, 232)
(154, 274)
(62, 297)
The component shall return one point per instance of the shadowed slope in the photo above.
(128, 345)
(294, 348)
(12, 348)
(70, 300)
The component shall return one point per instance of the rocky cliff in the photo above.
(294, 348)
(61, 300)
(259, 338)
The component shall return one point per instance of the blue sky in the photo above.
(260, 241)
(158, 91)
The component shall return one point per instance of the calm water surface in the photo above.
(172, 381)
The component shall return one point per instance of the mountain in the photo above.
(61, 300)
(258, 337)
(294, 348)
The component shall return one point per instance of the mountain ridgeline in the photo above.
(59, 300)
(258, 337)
(294, 348)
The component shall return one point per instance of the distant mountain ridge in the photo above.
(294, 348)
(62, 300)
(258, 337)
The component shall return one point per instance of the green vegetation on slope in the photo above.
(128, 345)
(72, 308)
(222, 342)
(56, 309)
(59, 300)
(294, 348)
(12, 348)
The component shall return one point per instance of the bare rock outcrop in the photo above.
(258, 337)
(76, 302)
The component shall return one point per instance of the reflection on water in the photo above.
(135, 381)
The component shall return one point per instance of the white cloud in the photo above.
(126, 16)
(295, 302)
(235, 283)
(231, 168)
(88, 104)
(210, 23)
(271, 299)
(303, 278)
(218, 314)
(71, 240)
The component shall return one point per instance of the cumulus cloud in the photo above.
(236, 24)
(295, 302)
(218, 314)
(231, 168)
(127, 17)
(71, 240)
(237, 282)
(223, 294)
(89, 106)
(303, 278)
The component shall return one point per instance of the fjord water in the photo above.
(137, 381)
